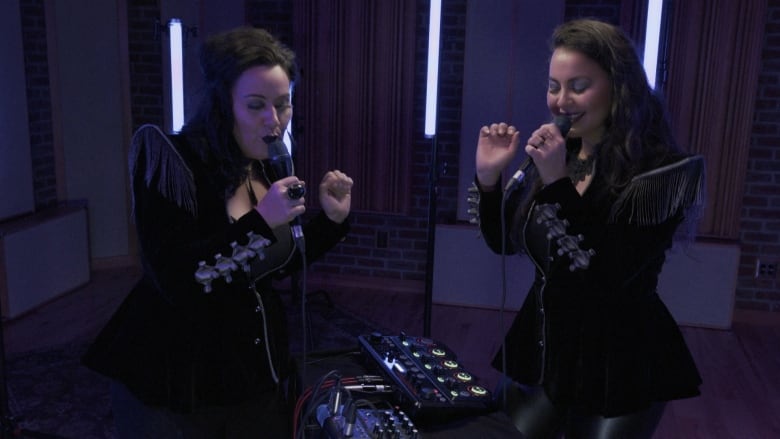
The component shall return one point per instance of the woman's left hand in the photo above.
(335, 195)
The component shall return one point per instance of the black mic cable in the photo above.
(563, 123)
(503, 297)
(283, 166)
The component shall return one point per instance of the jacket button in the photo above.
(541, 343)
(257, 341)
(258, 309)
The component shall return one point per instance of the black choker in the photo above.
(579, 168)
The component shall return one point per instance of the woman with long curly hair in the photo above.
(593, 352)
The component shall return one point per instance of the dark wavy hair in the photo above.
(223, 58)
(638, 136)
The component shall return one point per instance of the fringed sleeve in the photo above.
(163, 162)
(655, 196)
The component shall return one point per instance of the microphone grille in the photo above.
(563, 123)
(277, 148)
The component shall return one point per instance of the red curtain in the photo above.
(713, 59)
(714, 64)
(356, 96)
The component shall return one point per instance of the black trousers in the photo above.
(535, 416)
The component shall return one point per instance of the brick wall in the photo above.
(146, 68)
(760, 222)
(36, 67)
(404, 256)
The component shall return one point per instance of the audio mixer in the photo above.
(430, 384)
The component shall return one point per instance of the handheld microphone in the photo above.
(282, 164)
(280, 159)
(564, 124)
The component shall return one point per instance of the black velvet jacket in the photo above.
(186, 337)
(592, 330)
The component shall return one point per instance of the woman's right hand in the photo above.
(496, 147)
(276, 207)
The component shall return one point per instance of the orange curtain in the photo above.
(355, 111)
(714, 63)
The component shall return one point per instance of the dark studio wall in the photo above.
(404, 258)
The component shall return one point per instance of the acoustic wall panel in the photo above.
(697, 283)
(41, 257)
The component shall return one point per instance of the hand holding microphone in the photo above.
(277, 207)
(546, 148)
(287, 190)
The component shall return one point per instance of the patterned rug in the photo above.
(51, 395)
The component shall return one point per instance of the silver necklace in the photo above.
(580, 168)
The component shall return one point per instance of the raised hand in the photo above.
(496, 147)
(335, 195)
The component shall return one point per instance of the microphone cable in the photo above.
(502, 308)
(304, 316)
(514, 185)
(517, 182)
(563, 123)
(300, 242)
(277, 151)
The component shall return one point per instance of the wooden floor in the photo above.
(741, 366)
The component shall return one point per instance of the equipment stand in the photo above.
(431, 233)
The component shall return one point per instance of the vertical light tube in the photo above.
(652, 38)
(431, 96)
(177, 75)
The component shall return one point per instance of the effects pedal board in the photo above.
(429, 382)
(368, 424)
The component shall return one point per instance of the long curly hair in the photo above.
(638, 136)
(223, 58)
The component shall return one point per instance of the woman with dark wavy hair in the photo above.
(199, 348)
(593, 351)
